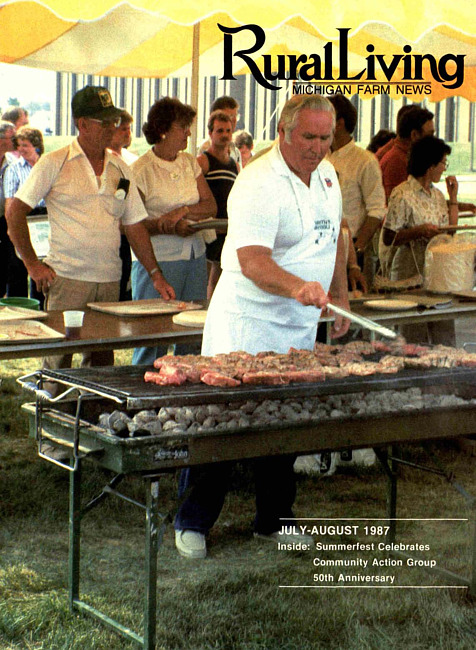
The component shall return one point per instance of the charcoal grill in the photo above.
(68, 422)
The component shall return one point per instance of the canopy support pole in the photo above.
(195, 83)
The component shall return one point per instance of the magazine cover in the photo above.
(257, 479)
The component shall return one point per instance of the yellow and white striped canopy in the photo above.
(153, 38)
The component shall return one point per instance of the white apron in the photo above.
(243, 317)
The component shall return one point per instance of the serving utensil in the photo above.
(363, 322)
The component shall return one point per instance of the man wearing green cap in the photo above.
(89, 193)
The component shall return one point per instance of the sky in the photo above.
(26, 84)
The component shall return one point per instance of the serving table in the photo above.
(110, 332)
(460, 308)
(104, 332)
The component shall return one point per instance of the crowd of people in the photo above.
(307, 217)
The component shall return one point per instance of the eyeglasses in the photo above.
(445, 163)
(181, 126)
(107, 123)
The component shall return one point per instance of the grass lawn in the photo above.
(232, 600)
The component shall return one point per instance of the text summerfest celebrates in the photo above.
(329, 72)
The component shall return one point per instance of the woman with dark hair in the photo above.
(175, 194)
(29, 144)
(416, 211)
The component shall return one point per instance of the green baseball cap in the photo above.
(94, 101)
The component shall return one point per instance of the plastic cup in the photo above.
(73, 321)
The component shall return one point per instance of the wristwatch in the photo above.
(154, 271)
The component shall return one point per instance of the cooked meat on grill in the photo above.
(362, 368)
(316, 374)
(264, 377)
(360, 358)
(335, 372)
(390, 364)
(168, 376)
(218, 379)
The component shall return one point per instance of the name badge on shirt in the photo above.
(122, 189)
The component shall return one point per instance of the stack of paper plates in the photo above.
(191, 318)
(391, 305)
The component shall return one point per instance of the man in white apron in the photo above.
(282, 255)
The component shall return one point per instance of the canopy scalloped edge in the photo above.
(272, 15)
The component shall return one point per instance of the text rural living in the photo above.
(447, 70)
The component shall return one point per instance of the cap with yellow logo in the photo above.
(94, 101)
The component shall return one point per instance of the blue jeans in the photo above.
(207, 486)
(188, 278)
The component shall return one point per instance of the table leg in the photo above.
(74, 532)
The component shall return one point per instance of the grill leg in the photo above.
(74, 532)
(153, 538)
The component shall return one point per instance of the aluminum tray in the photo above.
(17, 331)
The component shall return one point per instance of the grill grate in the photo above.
(126, 383)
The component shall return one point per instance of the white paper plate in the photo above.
(390, 305)
(358, 296)
(191, 318)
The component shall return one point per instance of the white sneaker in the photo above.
(324, 464)
(191, 544)
(357, 458)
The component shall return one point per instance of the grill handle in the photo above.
(40, 393)
(43, 396)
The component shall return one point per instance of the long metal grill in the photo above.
(127, 384)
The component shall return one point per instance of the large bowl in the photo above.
(27, 303)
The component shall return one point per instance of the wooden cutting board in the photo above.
(9, 312)
(429, 302)
(465, 295)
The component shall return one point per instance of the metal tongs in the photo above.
(363, 322)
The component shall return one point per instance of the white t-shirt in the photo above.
(84, 218)
(167, 185)
(128, 157)
(270, 206)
